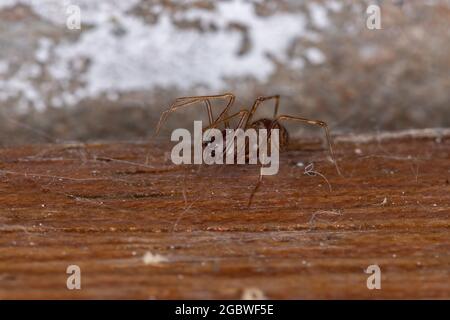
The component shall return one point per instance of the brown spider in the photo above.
(246, 117)
(245, 120)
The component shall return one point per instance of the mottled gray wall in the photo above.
(112, 78)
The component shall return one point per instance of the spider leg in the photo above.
(209, 110)
(243, 115)
(255, 188)
(187, 101)
(314, 123)
(259, 101)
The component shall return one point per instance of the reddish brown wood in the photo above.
(103, 206)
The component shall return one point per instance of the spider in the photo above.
(246, 119)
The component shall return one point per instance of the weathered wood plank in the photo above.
(104, 206)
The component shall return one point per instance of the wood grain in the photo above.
(104, 206)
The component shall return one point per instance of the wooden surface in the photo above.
(104, 206)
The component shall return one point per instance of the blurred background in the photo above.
(112, 78)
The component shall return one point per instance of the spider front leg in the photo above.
(188, 101)
(319, 123)
(259, 101)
